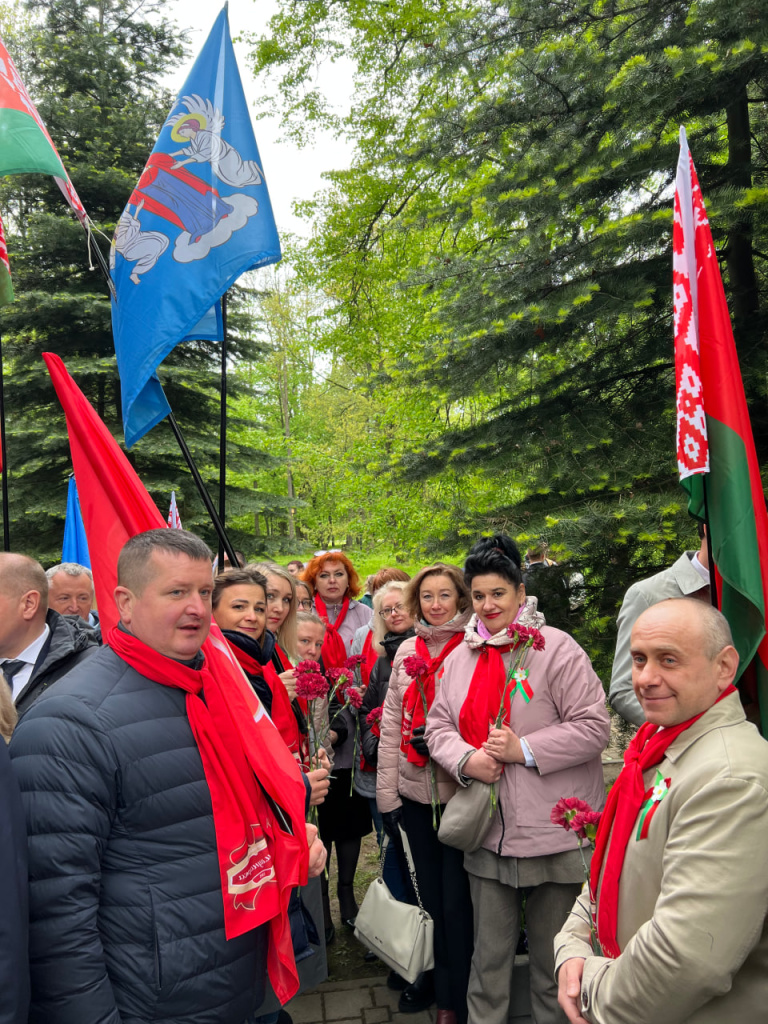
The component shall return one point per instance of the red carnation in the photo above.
(311, 685)
(538, 640)
(374, 717)
(415, 666)
(584, 824)
(338, 676)
(354, 696)
(308, 666)
(353, 661)
(566, 809)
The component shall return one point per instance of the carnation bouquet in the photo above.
(577, 816)
(522, 638)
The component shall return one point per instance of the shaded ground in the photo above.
(345, 955)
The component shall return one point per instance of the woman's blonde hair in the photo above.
(8, 714)
(286, 635)
(379, 624)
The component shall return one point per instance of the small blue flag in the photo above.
(198, 218)
(75, 547)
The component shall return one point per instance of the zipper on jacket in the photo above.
(503, 826)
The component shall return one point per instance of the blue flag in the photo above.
(75, 547)
(198, 218)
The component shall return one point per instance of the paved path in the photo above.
(369, 1001)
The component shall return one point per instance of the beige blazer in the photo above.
(693, 895)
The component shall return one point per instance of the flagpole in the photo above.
(708, 534)
(224, 541)
(223, 431)
(4, 456)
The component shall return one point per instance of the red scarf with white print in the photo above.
(413, 702)
(334, 652)
(620, 817)
(261, 859)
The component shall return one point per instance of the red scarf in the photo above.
(282, 712)
(259, 862)
(483, 700)
(618, 820)
(371, 657)
(334, 652)
(413, 705)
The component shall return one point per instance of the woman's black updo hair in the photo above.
(498, 554)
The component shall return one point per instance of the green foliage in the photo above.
(498, 256)
(93, 69)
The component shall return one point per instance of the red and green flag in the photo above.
(6, 286)
(715, 448)
(25, 145)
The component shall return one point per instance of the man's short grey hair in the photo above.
(134, 568)
(715, 630)
(69, 569)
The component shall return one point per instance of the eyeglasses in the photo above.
(305, 605)
(386, 613)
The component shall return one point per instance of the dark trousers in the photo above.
(444, 889)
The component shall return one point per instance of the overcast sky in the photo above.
(291, 173)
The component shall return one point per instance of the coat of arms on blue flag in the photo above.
(198, 218)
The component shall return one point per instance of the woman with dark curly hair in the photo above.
(553, 731)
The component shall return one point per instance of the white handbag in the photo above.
(400, 934)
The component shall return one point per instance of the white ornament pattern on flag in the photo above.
(692, 444)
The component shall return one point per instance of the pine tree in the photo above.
(93, 67)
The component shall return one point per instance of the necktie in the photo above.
(10, 668)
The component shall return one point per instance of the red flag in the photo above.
(115, 507)
(114, 502)
(716, 449)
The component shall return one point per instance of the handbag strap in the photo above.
(411, 867)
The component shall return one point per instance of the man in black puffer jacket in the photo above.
(126, 902)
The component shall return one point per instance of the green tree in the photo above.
(523, 155)
(93, 67)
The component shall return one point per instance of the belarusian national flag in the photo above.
(6, 286)
(25, 145)
(174, 519)
(715, 447)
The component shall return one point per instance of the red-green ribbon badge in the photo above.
(522, 685)
(652, 799)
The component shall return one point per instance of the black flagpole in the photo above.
(223, 437)
(224, 542)
(710, 559)
(4, 456)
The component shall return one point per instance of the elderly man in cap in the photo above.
(679, 862)
(165, 816)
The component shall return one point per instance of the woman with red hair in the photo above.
(345, 816)
(336, 585)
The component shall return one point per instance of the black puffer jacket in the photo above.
(126, 914)
(71, 641)
(377, 691)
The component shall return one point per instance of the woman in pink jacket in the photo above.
(438, 601)
(549, 749)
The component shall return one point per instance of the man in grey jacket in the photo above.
(688, 577)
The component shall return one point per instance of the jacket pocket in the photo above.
(156, 946)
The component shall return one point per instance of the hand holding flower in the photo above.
(289, 682)
(504, 745)
(483, 767)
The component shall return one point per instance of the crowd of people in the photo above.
(171, 795)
